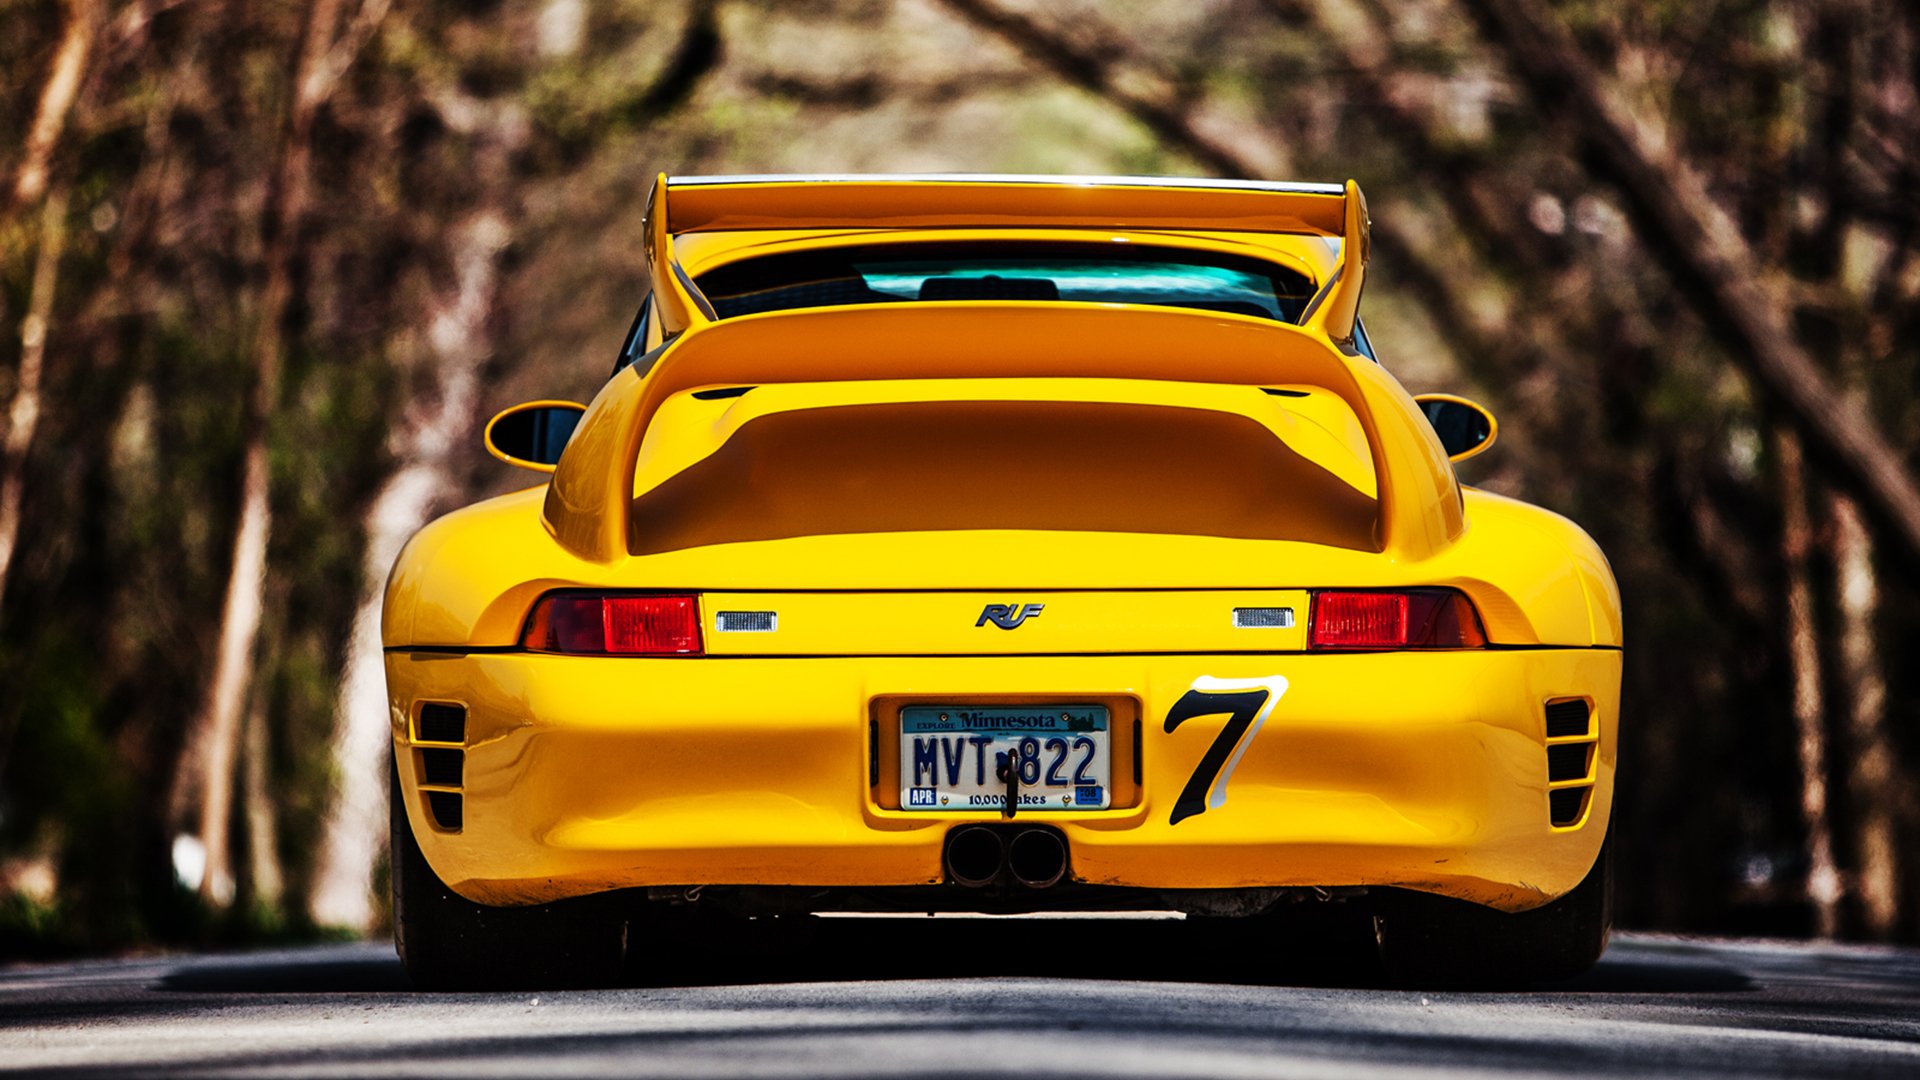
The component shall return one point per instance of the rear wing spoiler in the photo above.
(692, 204)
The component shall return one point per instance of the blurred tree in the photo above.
(207, 767)
(435, 422)
(503, 156)
(32, 179)
(264, 268)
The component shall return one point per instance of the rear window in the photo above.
(1108, 273)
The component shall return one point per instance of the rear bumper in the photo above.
(1419, 770)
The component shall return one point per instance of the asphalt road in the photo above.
(1027, 998)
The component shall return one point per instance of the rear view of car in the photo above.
(1000, 544)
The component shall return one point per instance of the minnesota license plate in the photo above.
(955, 757)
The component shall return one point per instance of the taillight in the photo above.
(1410, 619)
(615, 624)
(1359, 620)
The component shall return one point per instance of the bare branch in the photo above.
(56, 100)
(870, 90)
(319, 83)
(128, 31)
(1098, 72)
(697, 53)
(23, 413)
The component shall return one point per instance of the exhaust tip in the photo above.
(975, 856)
(1037, 858)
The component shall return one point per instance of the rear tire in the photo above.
(1437, 942)
(447, 942)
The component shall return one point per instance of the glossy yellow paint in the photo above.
(1005, 343)
(1422, 770)
(949, 623)
(1337, 308)
(751, 765)
(682, 207)
(1000, 207)
(1319, 426)
(469, 579)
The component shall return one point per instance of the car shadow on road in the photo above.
(1168, 950)
(814, 950)
(323, 972)
(1328, 954)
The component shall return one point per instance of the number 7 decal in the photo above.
(1247, 702)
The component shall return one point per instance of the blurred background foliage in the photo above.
(265, 267)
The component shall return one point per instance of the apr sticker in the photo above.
(1246, 704)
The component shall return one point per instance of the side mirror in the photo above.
(531, 435)
(1465, 427)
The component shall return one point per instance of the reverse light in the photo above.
(615, 624)
(1406, 619)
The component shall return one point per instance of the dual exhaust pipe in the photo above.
(979, 855)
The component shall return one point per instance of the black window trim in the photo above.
(636, 341)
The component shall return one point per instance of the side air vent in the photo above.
(1567, 719)
(1571, 744)
(1567, 805)
(439, 736)
(443, 767)
(443, 723)
(446, 809)
(1567, 762)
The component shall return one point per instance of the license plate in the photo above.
(951, 757)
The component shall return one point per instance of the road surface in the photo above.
(976, 997)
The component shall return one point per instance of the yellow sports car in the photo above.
(999, 543)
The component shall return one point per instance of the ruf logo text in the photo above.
(1008, 616)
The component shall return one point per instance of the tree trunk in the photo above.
(266, 880)
(218, 727)
(1803, 647)
(350, 841)
(23, 415)
(32, 180)
(355, 831)
(56, 101)
(207, 766)
(1874, 793)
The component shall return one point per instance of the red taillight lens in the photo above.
(652, 624)
(1359, 620)
(1416, 619)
